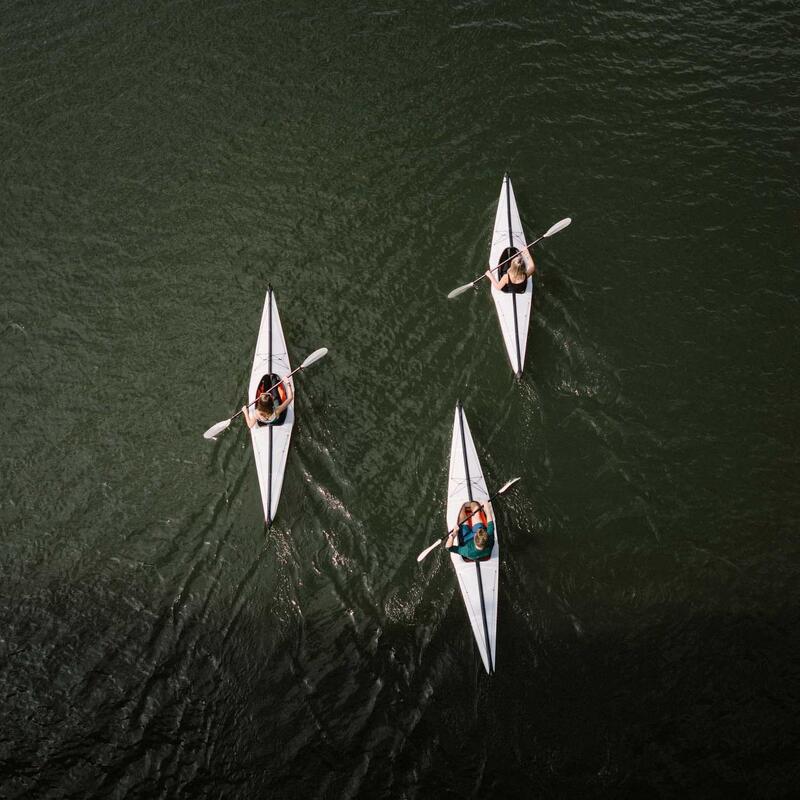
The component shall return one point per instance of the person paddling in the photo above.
(477, 538)
(266, 410)
(519, 270)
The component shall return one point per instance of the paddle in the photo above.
(559, 226)
(216, 430)
(502, 490)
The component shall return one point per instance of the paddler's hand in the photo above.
(450, 539)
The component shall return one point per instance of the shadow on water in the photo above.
(107, 695)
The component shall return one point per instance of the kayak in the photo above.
(270, 442)
(513, 310)
(478, 580)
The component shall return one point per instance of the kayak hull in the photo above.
(270, 442)
(477, 580)
(513, 310)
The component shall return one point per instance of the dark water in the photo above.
(161, 162)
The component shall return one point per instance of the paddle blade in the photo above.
(314, 357)
(427, 550)
(559, 226)
(460, 290)
(506, 486)
(216, 430)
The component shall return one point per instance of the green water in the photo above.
(162, 162)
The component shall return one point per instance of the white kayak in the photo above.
(478, 580)
(513, 309)
(271, 442)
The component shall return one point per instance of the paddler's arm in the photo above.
(451, 539)
(249, 420)
(490, 524)
(497, 284)
(530, 267)
(289, 398)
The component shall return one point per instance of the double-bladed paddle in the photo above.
(216, 430)
(502, 490)
(559, 226)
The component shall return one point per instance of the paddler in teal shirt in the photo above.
(478, 539)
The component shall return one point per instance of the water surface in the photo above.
(162, 162)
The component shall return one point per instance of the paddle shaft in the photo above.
(559, 226)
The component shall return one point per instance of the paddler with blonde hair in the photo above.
(519, 270)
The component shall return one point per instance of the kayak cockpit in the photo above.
(278, 394)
